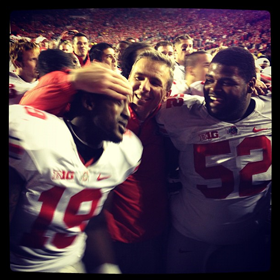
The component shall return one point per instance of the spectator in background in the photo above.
(66, 46)
(24, 56)
(121, 46)
(80, 46)
(183, 46)
(130, 39)
(196, 65)
(43, 42)
(166, 48)
(105, 53)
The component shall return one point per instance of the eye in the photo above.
(208, 81)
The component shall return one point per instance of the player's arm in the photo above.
(16, 184)
(99, 254)
(56, 89)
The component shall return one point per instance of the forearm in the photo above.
(99, 247)
(53, 93)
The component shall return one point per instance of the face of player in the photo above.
(27, 68)
(201, 68)
(80, 46)
(167, 50)
(227, 95)
(110, 117)
(109, 58)
(183, 48)
(149, 82)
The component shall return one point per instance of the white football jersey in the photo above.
(18, 87)
(61, 193)
(225, 169)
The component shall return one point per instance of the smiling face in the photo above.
(227, 95)
(149, 81)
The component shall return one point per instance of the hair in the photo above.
(80, 34)
(76, 105)
(178, 39)
(129, 55)
(18, 48)
(237, 57)
(53, 60)
(96, 51)
(191, 59)
(163, 43)
(156, 56)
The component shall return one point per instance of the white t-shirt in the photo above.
(61, 193)
(225, 169)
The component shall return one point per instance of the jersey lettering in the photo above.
(246, 188)
(50, 199)
(176, 101)
(35, 112)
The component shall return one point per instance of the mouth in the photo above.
(142, 99)
(215, 100)
(122, 126)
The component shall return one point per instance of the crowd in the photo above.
(209, 28)
(139, 143)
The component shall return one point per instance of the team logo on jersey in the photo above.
(102, 177)
(85, 176)
(232, 130)
(62, 175)
(209, 135)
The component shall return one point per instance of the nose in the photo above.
(125, 112)
(215, 87)
(145, 85)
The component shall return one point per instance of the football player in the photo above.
(61, 171)
(224, 138)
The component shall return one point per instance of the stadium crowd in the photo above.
(103, 82)
(209, 28)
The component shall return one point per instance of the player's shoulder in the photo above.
(34, 127)
(263, 104)
(129, 149)
(131, 143)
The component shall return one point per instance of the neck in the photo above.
(80, 130)
(188, 80)
(24, 77)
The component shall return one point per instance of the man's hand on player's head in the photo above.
(99, 78)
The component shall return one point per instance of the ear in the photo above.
(88, 101)
(251, 85)
(189, 70)
(17, 64)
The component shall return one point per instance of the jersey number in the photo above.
(37, 238)
(246, 188)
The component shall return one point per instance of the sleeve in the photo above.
(53, 93)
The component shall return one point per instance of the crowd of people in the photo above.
(209, 28)
(139, 143)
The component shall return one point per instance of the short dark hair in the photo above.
(79, 34)
(96, 51)
(129, 55)
(53, 60)
(163, 43)
(240, 58)
(191, 59)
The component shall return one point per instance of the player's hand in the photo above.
(99, 78)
